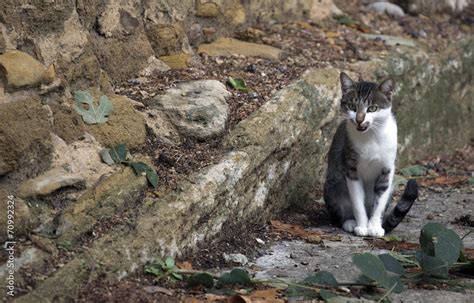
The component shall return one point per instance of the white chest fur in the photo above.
(376, 148)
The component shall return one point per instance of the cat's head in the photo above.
(366, 104)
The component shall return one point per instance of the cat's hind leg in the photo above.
(339, 205)
(349, 225)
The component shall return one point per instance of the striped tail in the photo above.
(401, 209)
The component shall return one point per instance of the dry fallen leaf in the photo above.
(184, 265)
(443, 180)
(270, 295)
(332, 34)
(205, 298)
(157, 289)
(308, 235)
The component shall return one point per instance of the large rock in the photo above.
(75, 164)
(229, 47)
(168, 38)
(177, 61)
(68, 44)
(83, 72)
(118, 19)
(112, 53)
(155, 66)
(197, 109)
(24, 136)
(21, 70)
(48, 183)
(159, 124)
(125, 125)
(67, 124)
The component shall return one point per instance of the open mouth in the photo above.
(361, 128)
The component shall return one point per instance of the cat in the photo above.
(361, 161)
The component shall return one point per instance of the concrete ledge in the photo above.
(277, 157)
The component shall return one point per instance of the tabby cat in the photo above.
(361, 161)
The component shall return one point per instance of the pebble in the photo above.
(236, 258)
(254, 95)
(388, 8)
(252, 68)
(260, 241)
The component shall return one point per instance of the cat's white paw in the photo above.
(349, 225)
(360, 231)
(375, 231)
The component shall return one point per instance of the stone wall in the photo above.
(88, 40)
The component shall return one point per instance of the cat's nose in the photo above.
(360, 117)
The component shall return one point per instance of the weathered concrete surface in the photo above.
(296, 260)
(277, 157)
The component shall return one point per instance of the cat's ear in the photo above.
(346, 83)
(387, 87)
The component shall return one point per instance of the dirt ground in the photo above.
(334, 42)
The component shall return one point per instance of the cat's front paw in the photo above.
(360, 231)
(375, 231)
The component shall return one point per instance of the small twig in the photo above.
(469, 232)
(192, 272)
(387, 293)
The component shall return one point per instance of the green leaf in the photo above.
(169, 262)
(370, 266)
(204, 279)
(373, 268)
(433, 266)
(119, 153)
(106, 157)
(160, 262)
(177, 276)
(104, 110)
(398, 180)
(392, 239)
(93, 114)
(322, 278)
(154, 270)
(440, 242)
(141, 168)
(294, 290)
(345, 20)
(326, 295)
(413, 170)
(391, 264)
(236, 276)
(238, 84)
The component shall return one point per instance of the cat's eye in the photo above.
(351, 106)
(372, 108)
